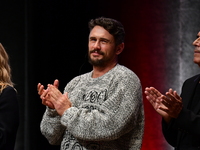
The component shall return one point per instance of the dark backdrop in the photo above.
(47, 40)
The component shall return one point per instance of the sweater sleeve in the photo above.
(51, 126)
(113, 118)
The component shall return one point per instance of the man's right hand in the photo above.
(155, 98)
(44, 94)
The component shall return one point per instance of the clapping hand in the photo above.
(44, 96)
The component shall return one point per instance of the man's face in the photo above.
(102, 48)
(196, 43)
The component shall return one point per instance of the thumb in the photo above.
(66, 94)
(56, 83)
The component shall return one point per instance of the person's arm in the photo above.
(169, 132)
(155, 98)
(117, 115)
(188, 122)
(185, 120)
(9, 117)
(51, 127)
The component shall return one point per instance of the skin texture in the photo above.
(170, 105)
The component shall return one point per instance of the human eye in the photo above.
(92, 39)
(104, 41)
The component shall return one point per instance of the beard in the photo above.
(97, 62)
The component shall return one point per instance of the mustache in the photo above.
(97, 51)
(197, 50)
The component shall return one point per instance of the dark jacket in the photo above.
(183, 133)
(9, 118)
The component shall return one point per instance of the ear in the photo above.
(120, 48)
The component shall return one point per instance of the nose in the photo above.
(97, 45)
(197, 42)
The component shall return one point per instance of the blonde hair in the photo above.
(5, 70)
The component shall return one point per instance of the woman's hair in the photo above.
(113, 26)
(5, 70)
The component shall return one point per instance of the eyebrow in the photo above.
(101, 39)
(104, 39)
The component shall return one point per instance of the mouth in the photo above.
(196, 51)
(96, 52)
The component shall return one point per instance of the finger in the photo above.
(171, 96)
(172, 99)
(149, 93)
(44, 101)
(164, 109)
(56, 83)
(150, 100)
(170, 91)
(53, 89)
(41, 89)
(38, 86)
(146, 92)
(147, 89)
(149, 96)
(165, 101)
(66, 94)
(48, 103)
(155, 91)
(152, 93)
(54, 92)
(44, 94)
(177, 96)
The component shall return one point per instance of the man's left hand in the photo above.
(60, 101)
(173, 102)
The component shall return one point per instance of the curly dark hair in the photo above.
(113, 26)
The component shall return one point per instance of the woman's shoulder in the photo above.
(9, 89)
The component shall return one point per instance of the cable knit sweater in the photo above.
(106, 114)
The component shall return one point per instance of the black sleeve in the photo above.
(9, 118)
(169, 132)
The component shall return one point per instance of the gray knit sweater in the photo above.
(106, 113)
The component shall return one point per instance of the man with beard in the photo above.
(99, 110)
(181, 114)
